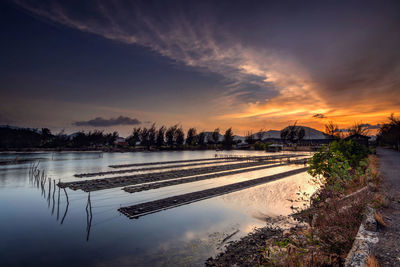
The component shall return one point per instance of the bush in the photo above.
(337, 164)
(259, 146)
(352, 151)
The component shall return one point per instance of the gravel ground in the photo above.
(388, 248)
(246, 251)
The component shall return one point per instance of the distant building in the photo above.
(274, 148)
(120, 141)
(243, 146)
(361, 139)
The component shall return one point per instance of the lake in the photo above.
(39, 228)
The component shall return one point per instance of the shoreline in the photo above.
(129, 150)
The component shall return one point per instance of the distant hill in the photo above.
(310, 134)
(12, 127)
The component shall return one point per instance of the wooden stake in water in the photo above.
(66, 208)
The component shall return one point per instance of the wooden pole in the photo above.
(66, 208)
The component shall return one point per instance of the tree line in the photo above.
(159, 138)
(33, 138)
(173, 137)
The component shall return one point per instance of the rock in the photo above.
(371, 224)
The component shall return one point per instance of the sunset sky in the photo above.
(115, 65)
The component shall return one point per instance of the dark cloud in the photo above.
(342, 53)
(371, 126)
(101, 122)
(319, 116)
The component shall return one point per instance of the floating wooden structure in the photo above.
(149, 169)
(248, 159)
(150, 186)
(218, 157)
(146, 208)
(119, 181)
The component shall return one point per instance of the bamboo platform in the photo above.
(146, 208)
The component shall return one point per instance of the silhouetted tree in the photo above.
(201, 139)
(191, 137)
(152, 135)
(284, 134)
(19, 138)
(250, 138)
(60, 140)
(293, 133)
(332, 129)
(389, 133)
(160, 137)
(179, 137)
(215, 136)
(134, 137)
(46, 136)
(228, 139)
(358, 129)
(95, 138)
(80, 140)
(110, 138)
(170, 135)
(144, 137)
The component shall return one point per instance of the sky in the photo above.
(250, 65)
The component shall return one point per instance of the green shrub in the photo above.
(259, 146)
(352, 151)
(338, 163)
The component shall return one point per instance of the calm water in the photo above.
(35, 230)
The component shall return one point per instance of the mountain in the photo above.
(20, 128)
(310, 134)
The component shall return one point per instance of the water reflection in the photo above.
(39, 178)
(37, 215)
(89, 216)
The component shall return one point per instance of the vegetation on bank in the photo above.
(389, 133)
(338, 169)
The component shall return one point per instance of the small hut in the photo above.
(274, 148)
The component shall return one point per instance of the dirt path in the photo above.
(388, 248)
